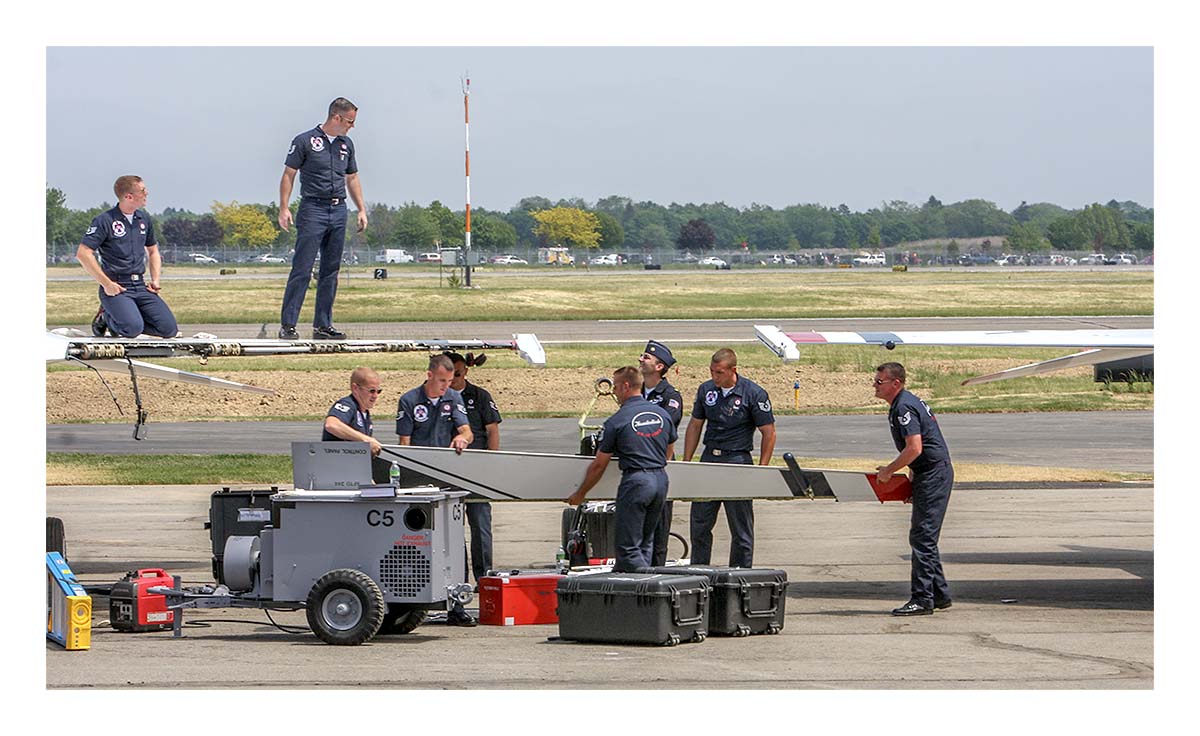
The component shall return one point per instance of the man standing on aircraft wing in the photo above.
(324, 158)
(918, 438)
(655, 361)
(349, 418)
(433, 415)
(642, 436)
(123, 238)
(733, 407)
(485, 426)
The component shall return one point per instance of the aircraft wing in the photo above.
(502, 475)
(64, 345)
(1101, 346)
(117, 355)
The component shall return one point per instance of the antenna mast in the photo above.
(466, 88)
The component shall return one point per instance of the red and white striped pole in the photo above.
(467, 142)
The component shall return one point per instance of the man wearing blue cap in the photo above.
(654, 363)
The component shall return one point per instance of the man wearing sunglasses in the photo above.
(324, 159)
(349, 418)
(919, 441)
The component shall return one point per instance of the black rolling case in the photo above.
(743, 601)
(633, 608)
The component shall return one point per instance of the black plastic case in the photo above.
(743, 601)
(633, 608)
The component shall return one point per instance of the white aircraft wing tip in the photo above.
(778, 342)
(530, 349)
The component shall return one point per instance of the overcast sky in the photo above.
(771, 125)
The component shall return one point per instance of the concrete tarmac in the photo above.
(1118, 441)
(552, 332)
(1053, 588)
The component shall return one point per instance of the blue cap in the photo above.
(660, 351)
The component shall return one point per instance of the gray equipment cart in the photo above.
(360, 562)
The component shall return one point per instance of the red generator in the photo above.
(131, 608)
(516, 600)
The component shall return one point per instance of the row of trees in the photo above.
(620, 223)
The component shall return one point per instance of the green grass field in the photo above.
(757, 293)
(935, 372)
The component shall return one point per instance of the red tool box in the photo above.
(516, 600)
(131, 608)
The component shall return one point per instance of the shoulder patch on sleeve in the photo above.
(905, 418)
(341, 407)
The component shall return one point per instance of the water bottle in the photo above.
(394, 475)
(560, 561)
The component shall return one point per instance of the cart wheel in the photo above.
(568, 523)
(682, 541)
(742, 630)
(699, 636)
(345, 607)
(401, 619)
(56, 536)
(671, 641)
(773, 629)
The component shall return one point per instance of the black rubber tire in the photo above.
(401, 619)
(56, 536)
(682, 541)
(345, 588)
(568, 523)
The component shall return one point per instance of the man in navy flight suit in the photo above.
(733, 407)
(324, 158)
(123, 238)
(655, 361)
(349, 418)
(642, 436)
(485, 420)
(433, 415)
(918, 439)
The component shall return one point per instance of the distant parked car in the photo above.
(268, 258)
(508, 260)
(686, 258)
(713, 261)
(609, 259)
(871, 259)
(201, 258)
(429, 258)
(1092, 259)
(975, 259)
(1121, 259)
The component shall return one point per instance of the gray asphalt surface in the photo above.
(695, 330)
(1118, 441)
(1053, 588)
(211, 273)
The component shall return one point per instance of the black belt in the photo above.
(325, 200)
(125, 276)
(718, 452)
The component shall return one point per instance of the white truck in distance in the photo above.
(394, 255)
(872, 259)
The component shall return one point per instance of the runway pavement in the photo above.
(1118, 441)
(1053, 588)
(685, 330)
